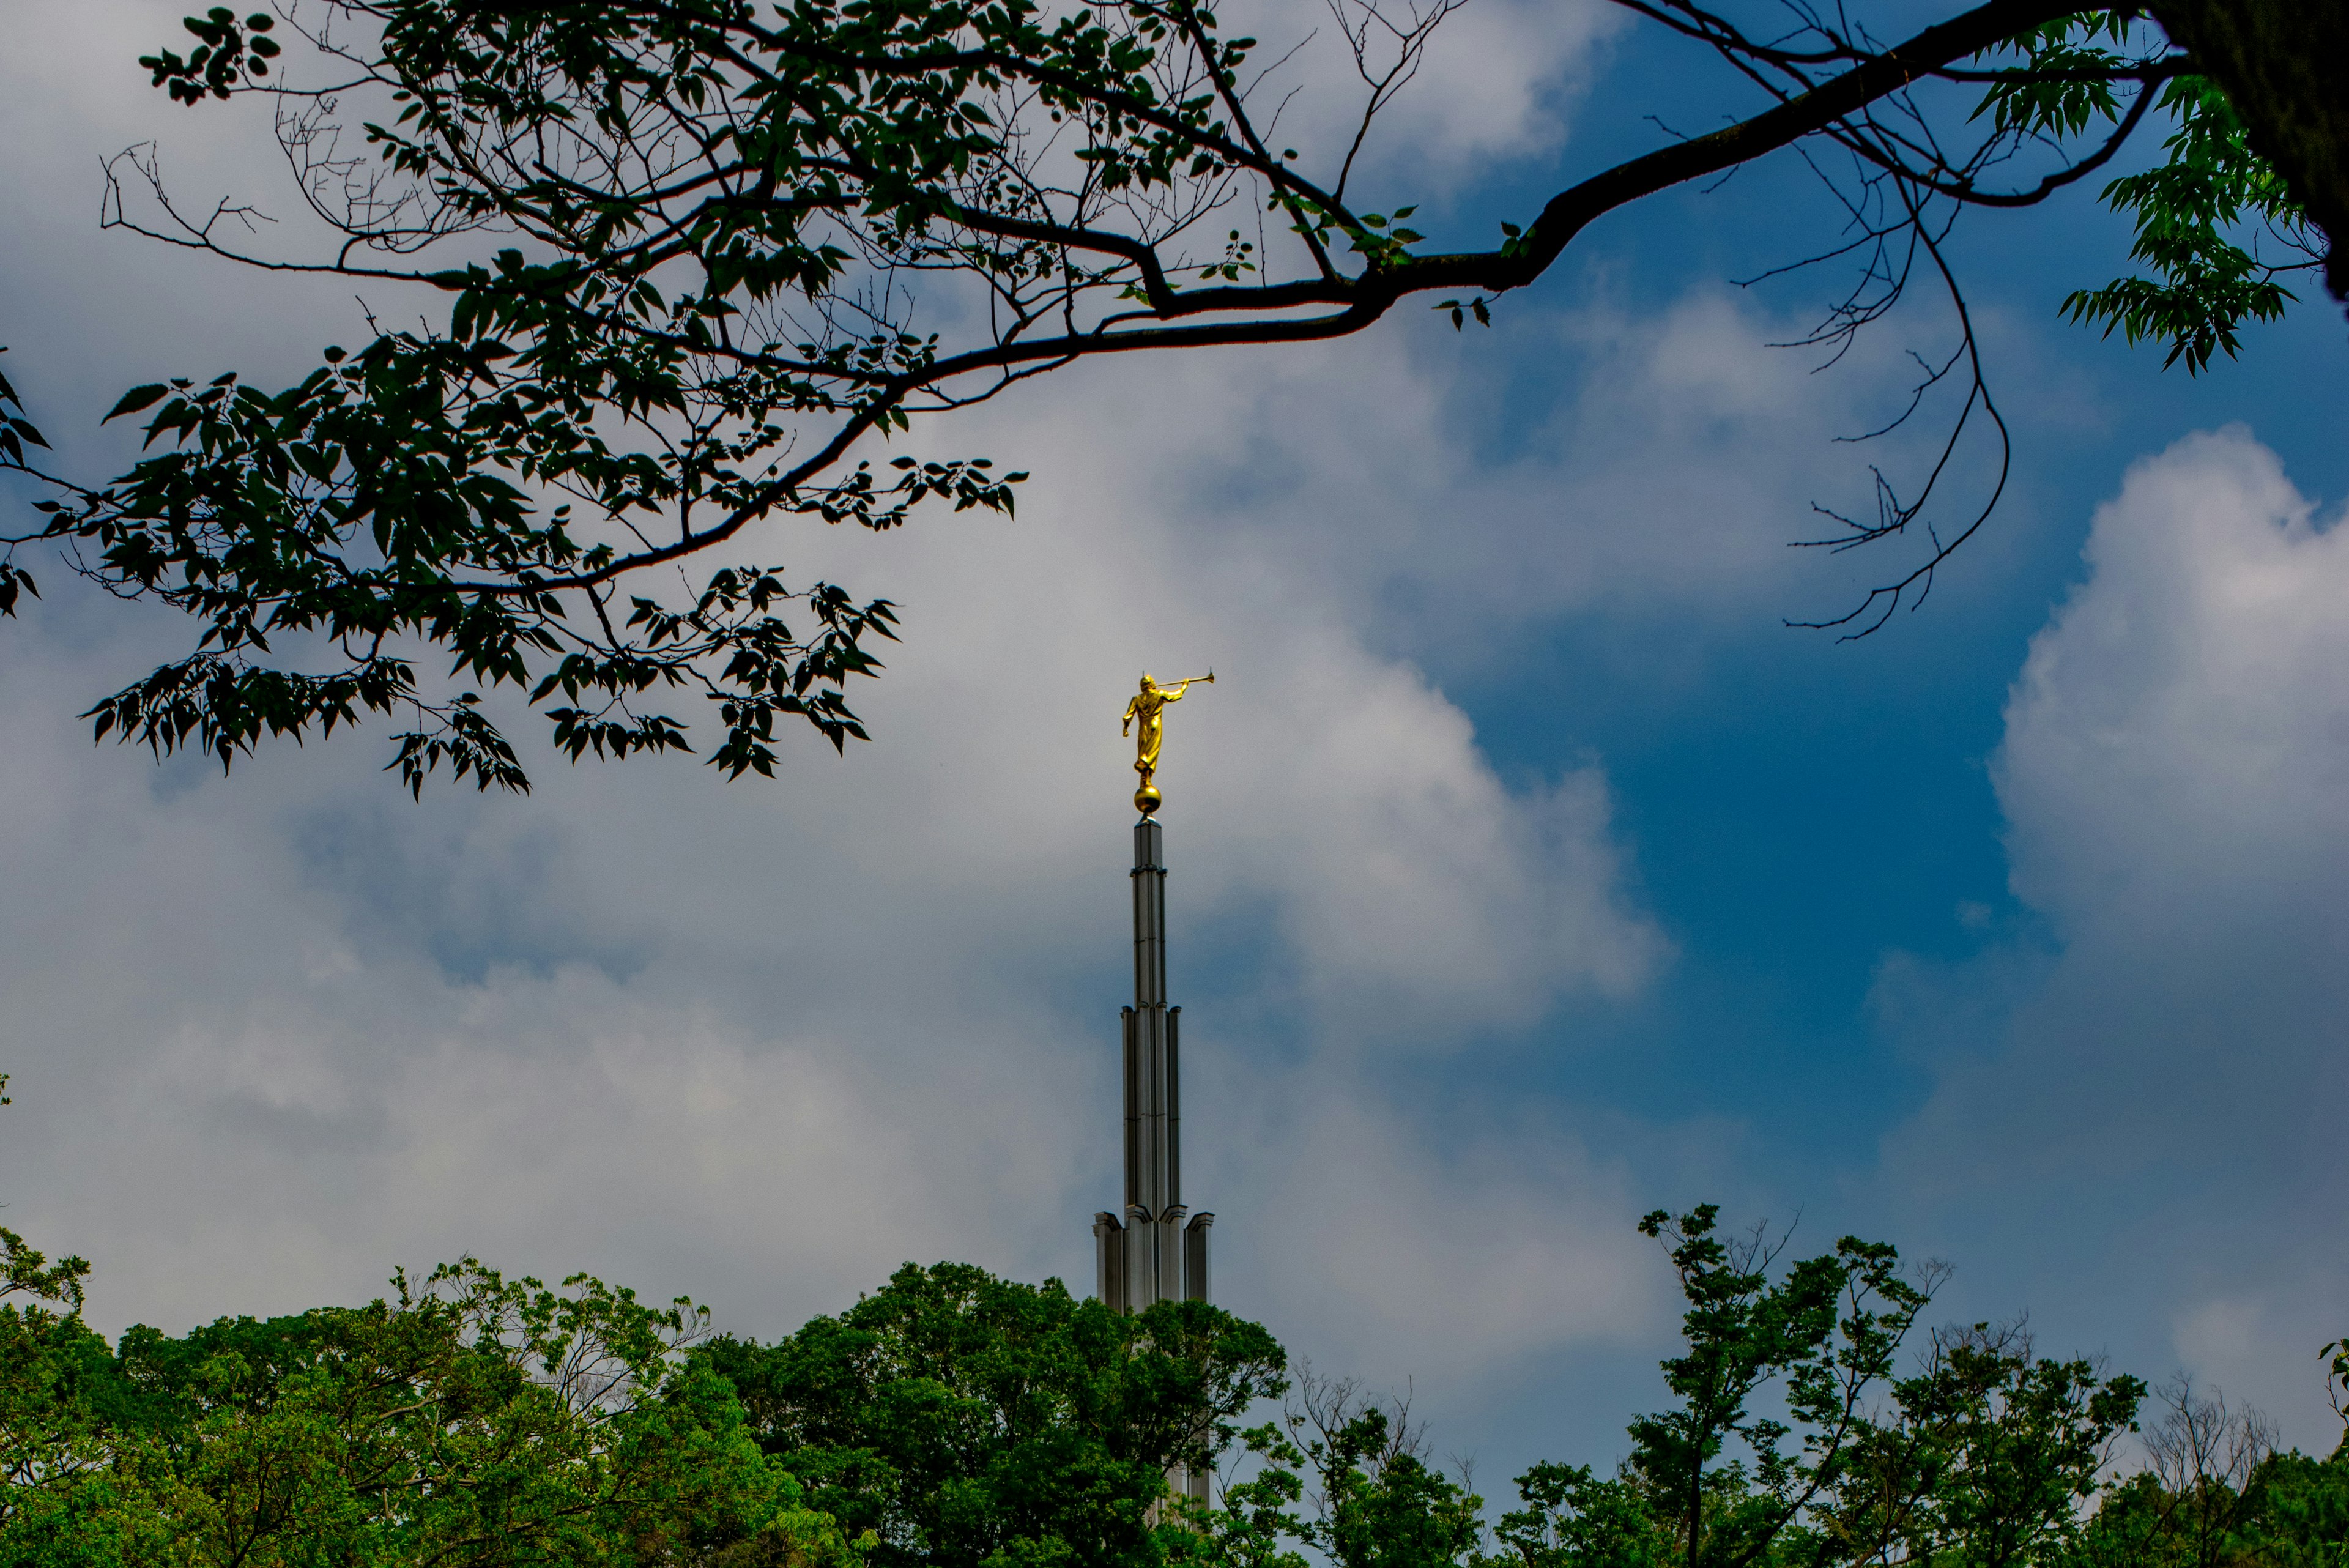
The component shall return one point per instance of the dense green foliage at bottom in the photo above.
(951, 1419)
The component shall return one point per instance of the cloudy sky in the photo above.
(1528, 872)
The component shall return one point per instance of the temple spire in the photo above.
(1154, 1249)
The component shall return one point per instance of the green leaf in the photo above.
(2190, 213)
(135, 399)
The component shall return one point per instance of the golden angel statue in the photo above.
(1148, 706)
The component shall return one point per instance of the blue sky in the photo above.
(1529, 874)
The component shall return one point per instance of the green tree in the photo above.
(2214, 1492)
(1796, 1440)
(2283, 66)
(2217, 226)
(960, 1420)
(54, 1492)
(1985, 1460)
(1571, 1517)
(1820, 1338)
(681, 241)
(2296, 1512)
(2298, 1508)
(60, 1506)
(471, 1419)
(1378, 1502)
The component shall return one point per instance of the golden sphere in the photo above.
(1147, 799)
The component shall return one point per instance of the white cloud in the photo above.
(1497, 80)
(2180, 733)
(2173, 777)
(1448, 1262)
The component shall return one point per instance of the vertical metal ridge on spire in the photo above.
(1149, 914)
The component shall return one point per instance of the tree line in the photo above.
(953, 1419)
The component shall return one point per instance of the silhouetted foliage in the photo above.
(702, 257)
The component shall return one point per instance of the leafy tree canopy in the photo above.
(707, 264)
(951, 1419)
(471, 1419)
